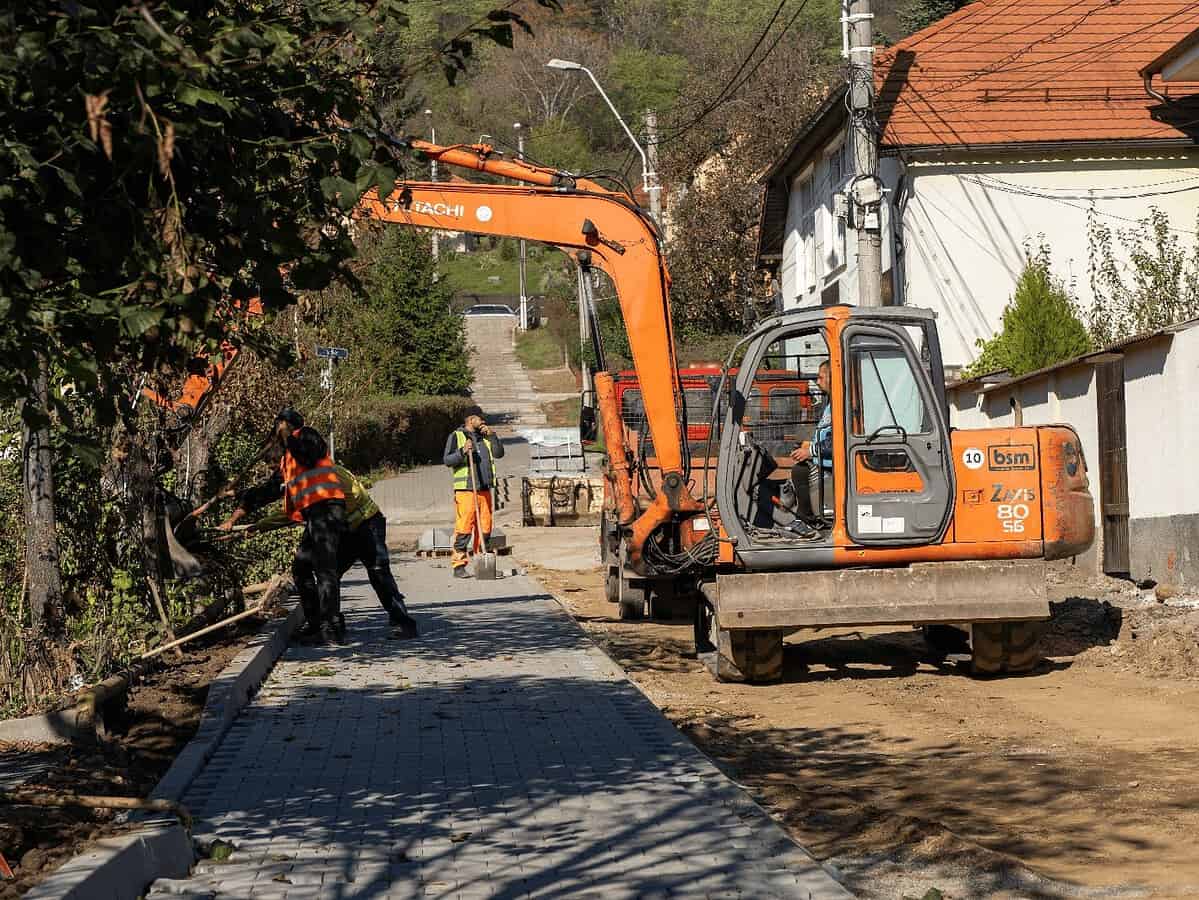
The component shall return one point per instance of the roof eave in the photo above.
(815, 124)
(1188, 45)
(919, 150)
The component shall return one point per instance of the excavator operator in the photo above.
(312, 494)
(813, 458)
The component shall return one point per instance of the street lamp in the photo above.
(649, 179)
(433, 177)
(524, 294)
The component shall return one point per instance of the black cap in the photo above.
(291, 417)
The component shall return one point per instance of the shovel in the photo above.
(485, 560)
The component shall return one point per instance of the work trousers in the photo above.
(464, 525)
(367, 544)
(314, 569)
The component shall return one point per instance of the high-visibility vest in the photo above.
(462, 473)
(359, 505)
(305, 487)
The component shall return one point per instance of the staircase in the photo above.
(501, 387)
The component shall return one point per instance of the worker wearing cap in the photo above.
(312, 494)
(364, 541)
(474, 440)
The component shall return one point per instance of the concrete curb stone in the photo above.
(120, 868)
(61, 726)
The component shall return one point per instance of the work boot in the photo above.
(460, 572)
(337, 627)
(310, 633)
(404, 627)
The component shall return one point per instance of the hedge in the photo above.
(395, 432)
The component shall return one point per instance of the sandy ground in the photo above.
(905, 775)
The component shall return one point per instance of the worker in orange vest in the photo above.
(312, 494)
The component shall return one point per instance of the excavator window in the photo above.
(784, 403)
(884, 391)
(884, 399)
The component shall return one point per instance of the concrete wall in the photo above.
(965, 225)
(1160, 378)
(1063, 397)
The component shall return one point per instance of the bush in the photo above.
(397, 432)
(1040, 325)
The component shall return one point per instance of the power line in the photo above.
(1105, 196)
(737, 81)
(1065, 202)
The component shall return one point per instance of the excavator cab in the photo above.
(881, 469)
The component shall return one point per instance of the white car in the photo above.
(489, 309)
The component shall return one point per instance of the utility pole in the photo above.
(584, 268)
(866, 188)
(651, 149)
(433, 177)
(524, 249)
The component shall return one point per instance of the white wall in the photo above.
(965, 227)
(1160, 381)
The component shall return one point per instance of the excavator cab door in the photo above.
(899, 466)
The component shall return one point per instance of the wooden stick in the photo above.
(162, 613)
(26, 797)
(254, 610)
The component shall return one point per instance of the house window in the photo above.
(807, 233)
(839, 173)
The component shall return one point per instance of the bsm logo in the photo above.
(1006, 457)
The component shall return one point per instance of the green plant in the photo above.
(1040, 324)
(397, 432)
(1158, 287)
(407, 339)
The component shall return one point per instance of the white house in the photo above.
(1001, 123)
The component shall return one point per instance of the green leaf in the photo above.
(190, 95)
(137, 320)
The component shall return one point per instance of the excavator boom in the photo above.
(623, 242)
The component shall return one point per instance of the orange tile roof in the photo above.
(1017, 71)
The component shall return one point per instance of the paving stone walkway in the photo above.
(500, 755)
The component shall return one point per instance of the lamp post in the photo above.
(649, 178)
(524, 293)
(432, 174)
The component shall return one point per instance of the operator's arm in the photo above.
(453, 457)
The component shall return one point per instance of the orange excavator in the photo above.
(204, 375)
(889, 517)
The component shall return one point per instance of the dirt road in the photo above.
(906, 775)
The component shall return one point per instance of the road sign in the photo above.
(332, 352)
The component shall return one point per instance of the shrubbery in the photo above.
(395, 432)
(1040, 325)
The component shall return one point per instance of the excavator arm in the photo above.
(622, 242)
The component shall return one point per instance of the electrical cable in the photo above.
(991, 180)
(736, 82)
(1064, 202)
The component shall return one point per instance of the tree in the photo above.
(407, 339)
(917, 15)
(1158, 287)
(161, 164)
(714, 149)
(1040, 325)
